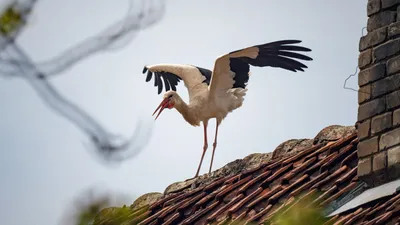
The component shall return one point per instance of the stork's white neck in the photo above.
(188, 112)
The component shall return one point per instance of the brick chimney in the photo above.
(379, 94)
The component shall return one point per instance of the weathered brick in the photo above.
(380, 19)
(373, 6)
(367, 147)
(389, 3)
(364, 166)
(373, 38)
(398, 13)
(371, 74)
(393, 100)
(393, 65)
(393, 156)
(396, 117)
(364, 93)
(381, 122)
(363, 129)
(365, 58)
(389, 139)
(386, 49)
(394, 163)
(371, 108)
(394, 29)
(379, 161)
(385, 85)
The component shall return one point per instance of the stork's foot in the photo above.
(190, 179)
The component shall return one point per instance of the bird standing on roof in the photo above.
(214, 94)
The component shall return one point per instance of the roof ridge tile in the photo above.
(302, 154)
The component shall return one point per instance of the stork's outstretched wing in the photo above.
(232, 70)
(195, 78)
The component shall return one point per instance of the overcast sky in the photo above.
(44, 163)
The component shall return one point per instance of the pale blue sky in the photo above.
(44, 163)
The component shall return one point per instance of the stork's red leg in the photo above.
(205, 146)
(214, 146)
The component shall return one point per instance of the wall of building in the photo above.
(379, 94)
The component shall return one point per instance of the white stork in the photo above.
(214, 94)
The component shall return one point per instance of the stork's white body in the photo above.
(203, 105)
(214, 94)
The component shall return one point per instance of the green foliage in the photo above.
(10, 21)
(113, 216)
(300, 211)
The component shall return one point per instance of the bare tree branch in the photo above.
(113, 37)
(14, 62)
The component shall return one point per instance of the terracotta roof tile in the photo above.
(254, 181)
(359, 213)
(306, 186)
(264, 195)
(224, 208)
(339, 193)
(212, 186)
(194, 217)
(172, 219)
(332, 220)
(232, 187)
(241, 203)
(256, 194)
(275, 175)
(261, 213)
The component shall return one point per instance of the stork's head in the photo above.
(169, 101)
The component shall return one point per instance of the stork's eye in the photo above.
(170, 96)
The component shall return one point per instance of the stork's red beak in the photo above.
(164, 104)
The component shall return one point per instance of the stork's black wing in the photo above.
(280, 54)
(169, 75)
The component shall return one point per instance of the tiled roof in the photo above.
(297, 169)
(254, 195)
